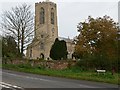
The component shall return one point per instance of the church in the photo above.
(46, 31)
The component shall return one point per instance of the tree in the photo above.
(9, 48)
(19, 23)
(0, 47)
(97, 38)
(58, 50)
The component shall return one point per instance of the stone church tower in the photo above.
(46, 30)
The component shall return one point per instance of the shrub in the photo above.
(58, 50)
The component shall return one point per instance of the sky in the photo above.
(71, 12)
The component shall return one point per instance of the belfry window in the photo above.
(42, 16)
(52, 16)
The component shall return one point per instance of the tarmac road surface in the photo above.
(20, 80)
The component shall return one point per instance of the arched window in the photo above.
(53, 31)
(42, 45)
(52, 16)
(42, 16)
(42, 55)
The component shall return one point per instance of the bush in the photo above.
(27, 66)
(98, 62)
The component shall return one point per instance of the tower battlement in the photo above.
(46, 2)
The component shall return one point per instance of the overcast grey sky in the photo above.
(71, 12)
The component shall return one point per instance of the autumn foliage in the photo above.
(98, 43)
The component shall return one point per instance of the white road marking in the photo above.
(3, 83)
(6, 85)
(40, 79)
(87, 86)
(30, 77)
(82, 85)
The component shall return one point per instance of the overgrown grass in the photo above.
(73, 72)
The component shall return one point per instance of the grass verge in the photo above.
(74, 73)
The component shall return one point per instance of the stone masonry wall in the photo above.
(58, 65)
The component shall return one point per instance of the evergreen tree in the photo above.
(58, 50)
(9, 48)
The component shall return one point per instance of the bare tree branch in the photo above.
(19, 22)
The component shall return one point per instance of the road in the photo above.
(20, 80)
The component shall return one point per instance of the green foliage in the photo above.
(97, 43)
(9, 48)
(58, 50)
(73, 72)
(95, 62)
(74, 69)
(27, 66)
(0, 46)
